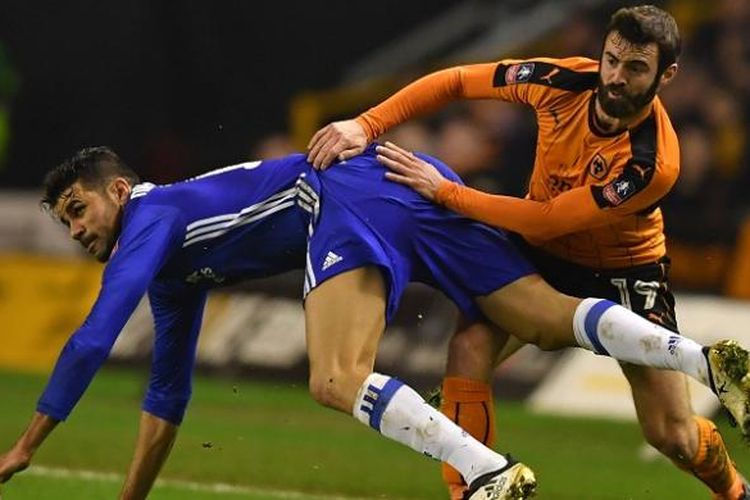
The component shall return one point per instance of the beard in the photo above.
(112, 235)
(626, 104)
(105, 253)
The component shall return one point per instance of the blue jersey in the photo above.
(259, 219)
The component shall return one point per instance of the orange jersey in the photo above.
(593, 198)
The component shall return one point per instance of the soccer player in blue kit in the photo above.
(361, 239)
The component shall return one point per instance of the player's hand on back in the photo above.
(336, 141)
(408, 169)
(11, 462)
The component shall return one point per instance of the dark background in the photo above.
(181, 87)
(174, 86)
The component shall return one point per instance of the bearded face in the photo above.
(620, 102)
(628, 76)
(93, 215)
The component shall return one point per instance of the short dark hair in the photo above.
(644, 24)
(91, 166)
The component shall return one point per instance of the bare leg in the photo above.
(466, 393)
(155, 439)
(663, 406)
(344, 320)
(662, 402)
(473, 349)
(534, 312)
(345, 317)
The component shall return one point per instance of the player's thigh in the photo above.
(532, 311)
(662, 401)
(345, 318)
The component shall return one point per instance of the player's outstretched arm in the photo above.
(538, 221)
(19, 456)
(344, 139)
(155, 439)
(177, 319)
(577, 209)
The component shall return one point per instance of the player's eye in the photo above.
(636, 67)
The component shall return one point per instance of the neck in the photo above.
(609, 124)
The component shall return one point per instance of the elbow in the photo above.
(172, 411)
(88, 352)
(169, 407)
(99, 351)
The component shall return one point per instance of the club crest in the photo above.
(598, 168)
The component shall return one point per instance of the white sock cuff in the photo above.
(586, 323)
(373, 397)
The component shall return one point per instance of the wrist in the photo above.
(444, 191)
(37, 431)
(25, 446)
(364, 122)
(23, 452)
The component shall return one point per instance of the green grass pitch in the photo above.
(270, 440)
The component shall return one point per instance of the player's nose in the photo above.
(616, 77)
(76, 230)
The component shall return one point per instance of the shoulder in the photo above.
(149, 216)
(654, 143)
(574, 74)
(668, 144)
(149, 201)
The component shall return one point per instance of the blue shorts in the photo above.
(364, 219)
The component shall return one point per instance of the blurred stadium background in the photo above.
(181, 87)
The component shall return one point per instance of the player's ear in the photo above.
(668, 74)
(120, 189)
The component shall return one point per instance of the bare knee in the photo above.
(673, 437)
(325, 390)
(473, 351)
(553, 329)
(550, 341)
(549, 334)
(474, 342)
(335, 388)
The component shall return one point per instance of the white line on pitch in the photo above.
(231, 489)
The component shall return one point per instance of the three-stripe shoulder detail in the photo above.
(141, 190)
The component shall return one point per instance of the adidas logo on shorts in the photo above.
(331, 259)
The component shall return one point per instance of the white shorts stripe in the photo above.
(309, 200)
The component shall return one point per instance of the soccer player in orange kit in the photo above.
(606, 155)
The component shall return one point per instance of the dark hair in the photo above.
(93, 167)
(646, 24)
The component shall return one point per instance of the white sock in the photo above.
(398, 412)
(611, 330)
